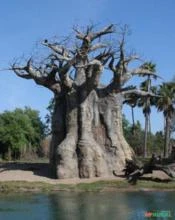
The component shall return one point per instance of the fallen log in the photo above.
(133, 171)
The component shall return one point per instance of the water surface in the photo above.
(85, 206)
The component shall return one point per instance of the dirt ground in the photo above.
(38, 172)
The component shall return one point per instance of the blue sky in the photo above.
(25, 23)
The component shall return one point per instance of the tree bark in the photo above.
(146, 134)
(87, 136)
(167, 137)
(58, 130)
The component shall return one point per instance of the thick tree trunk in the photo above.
(91, 157)
(87, 136)
(58, 130)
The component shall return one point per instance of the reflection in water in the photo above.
(109, 205)
(82, 206)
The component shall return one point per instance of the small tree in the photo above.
(135, 140)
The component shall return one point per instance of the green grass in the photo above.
(19, 186)
(96, 186)
(38, 160)
(156, 185)
(22, 186)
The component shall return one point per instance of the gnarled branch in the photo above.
(97, 46)
(138, 92)
(90, 36)
(45, 77)
(58, 49)
(107, 30)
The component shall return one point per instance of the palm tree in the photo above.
(146, 101)
(132, 100)
(166, 104)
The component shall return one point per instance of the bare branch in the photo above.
(143, 72)
(41, 77)
(90, 36)
(140, 72)
(121, 49)
(33, 72)
(20, 71)
(107, 30)
(57, 48)
(131, 58)
(97, 46)
(79, 34)
(91, 63)
(104, 56)
(59, 57)
(138, 92)
(111, 64)
(63, 72)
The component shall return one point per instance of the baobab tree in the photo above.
(87, 136)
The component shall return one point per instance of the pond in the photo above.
(87, 206)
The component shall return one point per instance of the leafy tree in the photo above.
(155, 142)
(135, 139)
(158, 144)
(20, 131)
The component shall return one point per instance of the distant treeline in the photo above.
(135, 137)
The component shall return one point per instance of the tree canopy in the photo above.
(20, 131)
